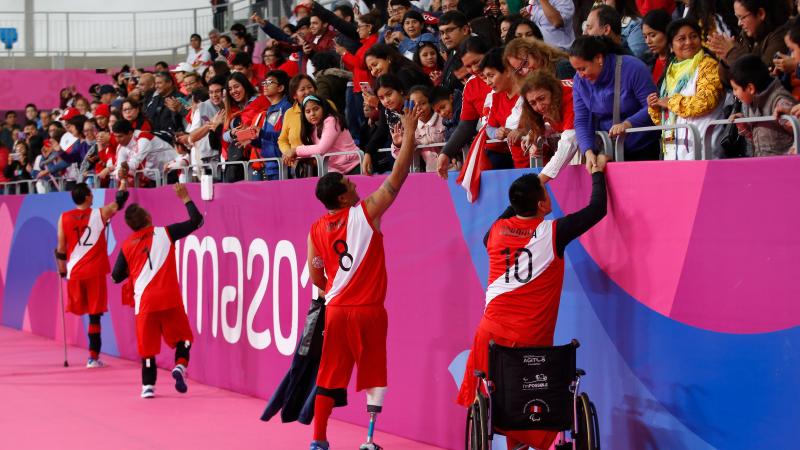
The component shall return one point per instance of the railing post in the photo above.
(47, 33)
(194, 13)
(134, 40)
(67, 34)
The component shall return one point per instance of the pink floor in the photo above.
(44, 405)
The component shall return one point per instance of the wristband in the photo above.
(61, 256)
(121, 198)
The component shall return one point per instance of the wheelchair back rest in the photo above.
(532, 386)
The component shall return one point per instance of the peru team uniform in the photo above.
(526, 273)
(506, 112)
(355, 319)
(87, 261)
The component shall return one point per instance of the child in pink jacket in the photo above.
(322, 131)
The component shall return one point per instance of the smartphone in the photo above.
(15, 157)
(21, 136)
(366, 87)
(409, 105)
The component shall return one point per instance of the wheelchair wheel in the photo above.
(587, 435)
(477, 435)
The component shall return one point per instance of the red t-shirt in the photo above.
(658, 69)
(475, 93)
(567, 111)
(86, 243)
(646, 6)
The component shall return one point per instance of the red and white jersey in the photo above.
(352, 250)
(474, 100)
(525, 277)
(145, 151)
(87, 252)
(150, 255)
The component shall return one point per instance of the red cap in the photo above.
(298, 7)
(70, 113)
(102, 110)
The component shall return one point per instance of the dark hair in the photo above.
(136, 217)
(474, 44)
(676, 25)
(29, 122)
(494, 59)
(346, 10)
(427, 91)
(78, 122)
(221, 68)
(238, 28)
(133, 102)
(200, 95)
(440, 93)
(242, 59)
(657, 19)
(122, 126)
(414, 15)
(9, 113)
(607, 15)
(373, 19)
(794, 31)
(165, 76)
(524, 194)
(749, 69)
(389, 81)
(307, 129)
(31, 105)
(456, 18)
(304, 22)
(294, 83)
(705, 13)
(587, 47)
(249, 89)
(512, 30)
(280, 58)
(218, 79)
(386, 51)
(161, 63)
(227, 38)
(58, 134)
(406, 3)
(195, 35)
(80, 193)
(282, 78)
(325, 60)
(420, 46)
(627, 8)
(329, 188)
(774, 13)
(291, 27)
(322, 18)
(487, 29)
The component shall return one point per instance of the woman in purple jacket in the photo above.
(594, 59)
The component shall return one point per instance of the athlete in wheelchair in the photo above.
(528, 399)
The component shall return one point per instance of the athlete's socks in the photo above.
(94, 336)
(182, 353)
(149, 371)
(323, 406)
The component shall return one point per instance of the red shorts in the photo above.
(479, 360)
(354, 335)
(171, 323)
(87, 296)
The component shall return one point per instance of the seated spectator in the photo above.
(322, 131)
(397, 11)
(225, 49)
(605, 21)
(690, 93)
(244, 41)
(165, 110)
(274, 59)
(594, 59)
(554, 20)
(631, 32)
(197, 57)
(275, 89)
(132, 112)
(331, 80)
(524, 56)
(415, 32)
(548, 113)
(763, 29)
(428, 57)
(654, 28)
(762, 95)
(523, 28)
(430, 127)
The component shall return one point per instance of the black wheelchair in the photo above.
(532, 388)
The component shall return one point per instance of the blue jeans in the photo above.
(354, 114)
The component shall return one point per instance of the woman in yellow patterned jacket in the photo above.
(690, 92)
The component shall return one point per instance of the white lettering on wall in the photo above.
(231, 245)
(258, 339)
(208, 245)
(285, 344)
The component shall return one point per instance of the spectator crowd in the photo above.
(531, 78)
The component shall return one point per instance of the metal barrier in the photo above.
(416, 167)
(707, 144)
(619, 144)
(326, 160)
(158, 178)
(12, 187)
(283, 172)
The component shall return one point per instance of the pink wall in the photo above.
(41, 87)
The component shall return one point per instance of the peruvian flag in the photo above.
(476, 162)
(536, 408)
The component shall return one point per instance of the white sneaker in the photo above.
(94, 364)
(179, 373)
(148, 391)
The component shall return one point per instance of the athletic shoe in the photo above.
(179, 373)
(94, 364)
(148, 391)
(371, 446)
(319, 445)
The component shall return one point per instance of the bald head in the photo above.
(147, 83)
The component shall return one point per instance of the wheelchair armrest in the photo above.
(575, 343)
(480, 374)
(580, 372)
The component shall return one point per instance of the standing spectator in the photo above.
(763, 28)
(690, 93)
(430, 127)
(107, 94)
(331, 80)
(524, 56)
(320, 39)
(219, 7)
(654, 28)
(415, 33)
(213, 38)
(205, 129)
(102, 115)
(762, 95)
(198, 57)
(343, 21)
(392, 92)
(645, 6)
(243, 64)
(19, 166)
(89, 163)
(554, 19)
(300, 87)
(606, 21)
(631, 32)
(276, 89)
(428, 57)
(504, 115)
(595, 60)
(242, 106)
(32, 113)
(7, 137)
(165, 110)
(274, 59)
(453, 30)
(384, 59)
(243, 40)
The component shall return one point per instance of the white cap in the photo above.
(183, 67)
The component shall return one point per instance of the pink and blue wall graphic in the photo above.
(684, 297)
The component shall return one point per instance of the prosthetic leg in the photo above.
(374, 406)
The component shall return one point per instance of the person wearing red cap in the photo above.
(101, 114)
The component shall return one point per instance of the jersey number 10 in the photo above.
(517, 254)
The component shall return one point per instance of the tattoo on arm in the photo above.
(389, 188)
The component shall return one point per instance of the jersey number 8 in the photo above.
(341, 249)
